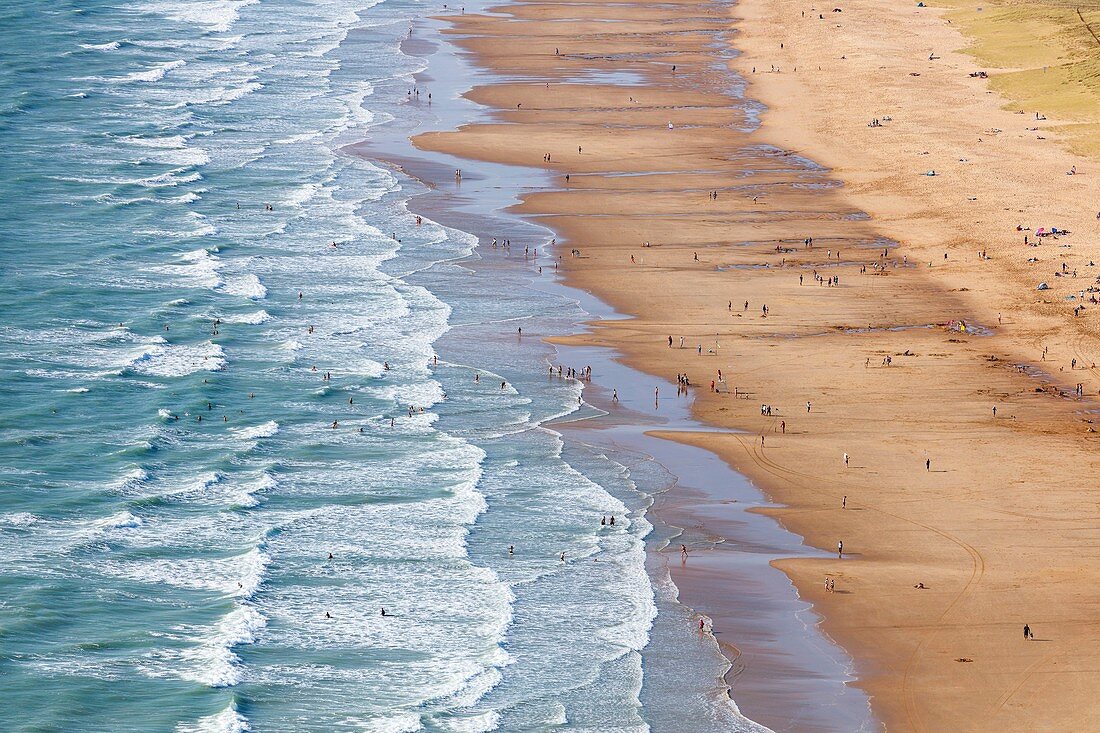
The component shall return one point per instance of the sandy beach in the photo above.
(873, 332)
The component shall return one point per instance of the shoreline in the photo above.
(786, 685)
(933, 586)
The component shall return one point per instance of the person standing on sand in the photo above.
(927, 464)
(1027, 633)
(845, 460)
(840, 548)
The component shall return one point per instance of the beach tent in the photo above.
(1043, 286)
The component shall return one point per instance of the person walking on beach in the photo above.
(927, 464)
(840, 548)
(845, 460)
(1027, 633)
(683, 553)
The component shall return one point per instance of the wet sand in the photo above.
(784, 672)
(903, 360)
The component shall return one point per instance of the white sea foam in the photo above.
(170, 179)
(238, 575)
(400, 723)
(111, 46)
(253, 319)
(78, 390)
(183, 156)
(166, 141)
(228, 720)
(149, 75)
(121, 520)
(251, 566)
(302, 194)
(299, 138)
(213, 662)
(480, 723)
(18, 519)
(196, 487)
(199, 268)
(184, 198)
(266, 430)
(132, 478)
(246, 497)
(216, 15)
(248, 286)
(177, 360)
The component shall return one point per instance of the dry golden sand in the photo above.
(1003, 530)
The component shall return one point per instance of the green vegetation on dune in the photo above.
(1044, 57)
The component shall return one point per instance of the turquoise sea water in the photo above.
(219, 354)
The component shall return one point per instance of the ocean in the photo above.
(229, 352)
